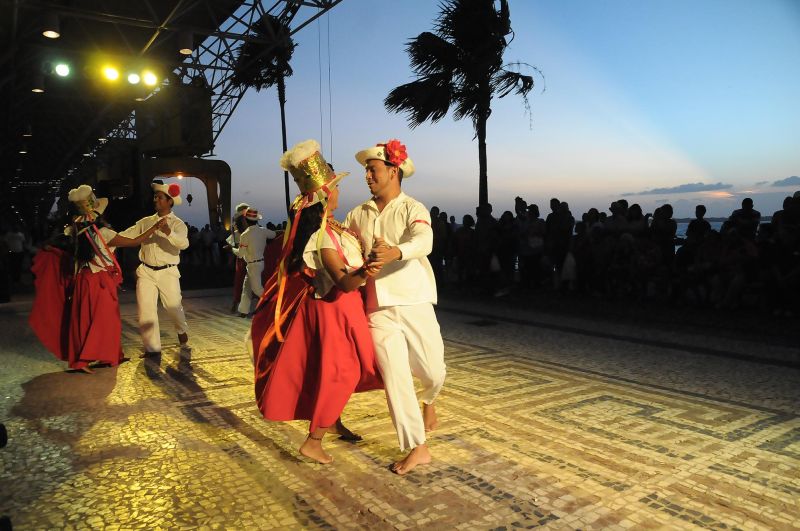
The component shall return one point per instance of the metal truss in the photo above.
(212, 62)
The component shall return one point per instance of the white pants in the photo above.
(150, 287)
(408, 343)
(252, 285)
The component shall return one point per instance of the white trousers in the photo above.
(150, 287)
(408, 343)
(251, 286)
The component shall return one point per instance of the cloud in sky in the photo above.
(794, 180)
(684, 188)
(762, 183)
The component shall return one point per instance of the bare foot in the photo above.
(86, 369)
(312, 449)
(418, 456)
(429, 417)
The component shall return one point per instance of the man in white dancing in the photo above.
(400, 297)
(158, 277)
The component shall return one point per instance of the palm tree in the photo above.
(265, 63)
(460, 65)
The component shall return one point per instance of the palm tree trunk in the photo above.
(483, 179)
(282, 102)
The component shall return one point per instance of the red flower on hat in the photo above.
(395, 152)
(174, 190)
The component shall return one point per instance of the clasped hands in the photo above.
(380, 255)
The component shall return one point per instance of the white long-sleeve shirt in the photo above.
(252, 243)
(404, 223)
(160, 249)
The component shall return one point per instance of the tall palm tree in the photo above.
(265, 63)
(460, 65)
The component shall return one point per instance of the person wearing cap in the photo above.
(251, 250)
(326, 354)
(157, 277)
(232, 241)
(93, 327)
(400, 297)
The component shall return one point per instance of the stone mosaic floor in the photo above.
(558, 427)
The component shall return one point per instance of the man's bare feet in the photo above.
(312, 448)
(429, 417)
(418, 456)
(86, 369)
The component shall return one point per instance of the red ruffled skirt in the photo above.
(95, 328)
(49, 318)
(326, 357)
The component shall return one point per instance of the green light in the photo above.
(62, 69)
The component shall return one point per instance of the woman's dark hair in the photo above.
(83, 249)
(310, 220)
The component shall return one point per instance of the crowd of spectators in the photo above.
(625, 254)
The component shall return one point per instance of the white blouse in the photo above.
(323, 282)
(103, 258)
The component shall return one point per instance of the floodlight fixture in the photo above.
(149, 78)
(185, 42)
(133, 78)
(37, 83)
(62, 69)
(51, 27)
(110, 73)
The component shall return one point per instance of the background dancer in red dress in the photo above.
(94, 329)
(308, 379)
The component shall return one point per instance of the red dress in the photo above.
(49, 318)
(327, 355)
(95, 328)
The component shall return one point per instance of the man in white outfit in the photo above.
(400, 297)
(158, 277)
(251, 249)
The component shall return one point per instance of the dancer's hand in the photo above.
(382, 253)
(164, 227)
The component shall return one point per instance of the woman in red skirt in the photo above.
(95, 328)
(327, 353)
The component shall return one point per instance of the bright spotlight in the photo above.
(62, 69)
(149, 78)
(133, 78)
(110, 73)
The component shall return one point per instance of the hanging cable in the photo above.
(319, 65)
(330, 99)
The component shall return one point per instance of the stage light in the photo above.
(23, 149)
(133, 78)
(28, 131)
(149, 78)
(62, 69)
(37, 83)
(51, 27)
(185, 42)
(110, 73)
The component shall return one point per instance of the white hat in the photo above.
(392, 152)
(240, 208)
(251, 214)
(173, 191)
(83, 193)
(310, 171)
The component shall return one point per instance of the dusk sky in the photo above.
(686, 101)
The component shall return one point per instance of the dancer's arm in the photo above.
(122, 241)
(345, 280)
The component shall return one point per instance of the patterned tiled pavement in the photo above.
(560, 424)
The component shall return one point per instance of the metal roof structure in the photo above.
(51, 123)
